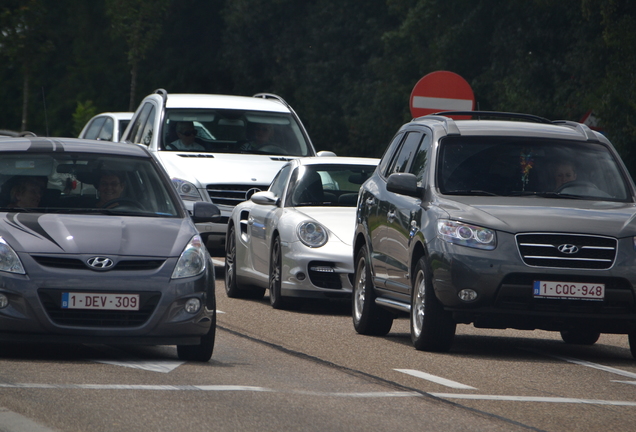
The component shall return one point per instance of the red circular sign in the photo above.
(441, 91)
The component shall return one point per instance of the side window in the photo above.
(388, 154)
(94, 127)
(405, 155)
(420, 164)
(106, 134)
(279, 182)
(140, 121)
(146, 135)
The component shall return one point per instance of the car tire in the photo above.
(432, 328)
(276, 298)
(580, 337)
(203, 351)
(368, 318)
(232, 288)
(632, 343)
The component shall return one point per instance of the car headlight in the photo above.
(312, 234)
(193, 259)
(187, 191)
(9, 260)
(467, 235)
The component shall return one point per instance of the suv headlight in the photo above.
(467, 235)
(193, 259)
(187, 191)
(312, 234)
(9, 260)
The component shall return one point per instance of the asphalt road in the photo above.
(309, 370)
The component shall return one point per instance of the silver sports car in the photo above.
(295, 238)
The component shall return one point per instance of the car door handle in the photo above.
(250, 221)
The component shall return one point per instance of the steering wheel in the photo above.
(124, 203)
(576, 184)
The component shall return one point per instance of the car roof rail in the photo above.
(580, 127)
(495, 114)
(281, 100)
(449, 123)
(163, 93)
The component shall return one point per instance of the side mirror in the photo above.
(265, 198)
(404, 184)
(205, 212)
(325, 153)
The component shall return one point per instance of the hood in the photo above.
(530, 214)
(95, 234)
(204, 168)
(339, 220)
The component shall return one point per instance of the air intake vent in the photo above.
(232, 195)
(567, 251)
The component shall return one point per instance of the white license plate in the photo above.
(569, 290)
(100, 301)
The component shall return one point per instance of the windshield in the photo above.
(522, 166)
(83, 183)
(234, 131)
(328, 185)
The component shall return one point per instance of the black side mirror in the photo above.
(404, 184)
(205, 212)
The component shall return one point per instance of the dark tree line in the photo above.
(347, 67)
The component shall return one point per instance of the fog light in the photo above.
(192, 305)
(4, 301)
(467, 295)
(300, 276)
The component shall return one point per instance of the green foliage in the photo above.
(83, 113)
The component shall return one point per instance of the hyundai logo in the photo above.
(568, 249)
(100, 263)
(251, 192)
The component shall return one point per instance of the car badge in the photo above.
(100, 263)
(251, 192)
(568, 249)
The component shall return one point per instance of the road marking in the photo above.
(533, 399)
(590, 365)
(166, 366)
(624, 382)
(436, 379)
(13, 422)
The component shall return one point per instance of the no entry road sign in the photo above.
(441, 91)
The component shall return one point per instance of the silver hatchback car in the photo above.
(97, 247)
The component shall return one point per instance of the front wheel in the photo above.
(580, 337)
(275, 277)
(203, 351)
(232, 288)
(368, 318)
(432, 328)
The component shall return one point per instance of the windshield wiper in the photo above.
(470, 192)
(547, 194)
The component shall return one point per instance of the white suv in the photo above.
(205, 143)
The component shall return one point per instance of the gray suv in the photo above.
(500, 220)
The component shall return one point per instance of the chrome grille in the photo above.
(231, 194)
(567, 251)
(75, 263)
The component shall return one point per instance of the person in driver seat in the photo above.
(110, 187)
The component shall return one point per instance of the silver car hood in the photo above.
(95, 234)
(339, 220)
(530, 214)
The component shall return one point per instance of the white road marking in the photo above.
(624, 382)
(165, 366)
(436, 379)
(591, 365)
(532, 399)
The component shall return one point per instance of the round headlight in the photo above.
(312, 234)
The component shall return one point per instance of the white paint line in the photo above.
(590, 365)
(442, 104)
(624, 382)
(153, 366)
(436, 379)
(533, 399)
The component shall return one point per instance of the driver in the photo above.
(565, 173)
(258, 135)
(110, 187)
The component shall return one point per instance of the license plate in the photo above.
(569, 290)
(100, 301)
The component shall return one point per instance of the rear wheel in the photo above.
(432, 328)
(232, 288)
(632, 343)
(275, 274)
(580, 337)
(203, 351)
(368, 317)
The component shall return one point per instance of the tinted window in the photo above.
(522, 166)
(106, 133)
(400, 162)
(140, 121)
(278, 184)
(388, 154)
(93, 129)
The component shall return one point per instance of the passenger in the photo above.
(259, 135)
(110, 187)
(27, 193)
(187, 135)
(565, 173)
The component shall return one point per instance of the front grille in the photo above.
(78, 264)
(52, 299)
(586, 252)
(231, 195)
(321, 277)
